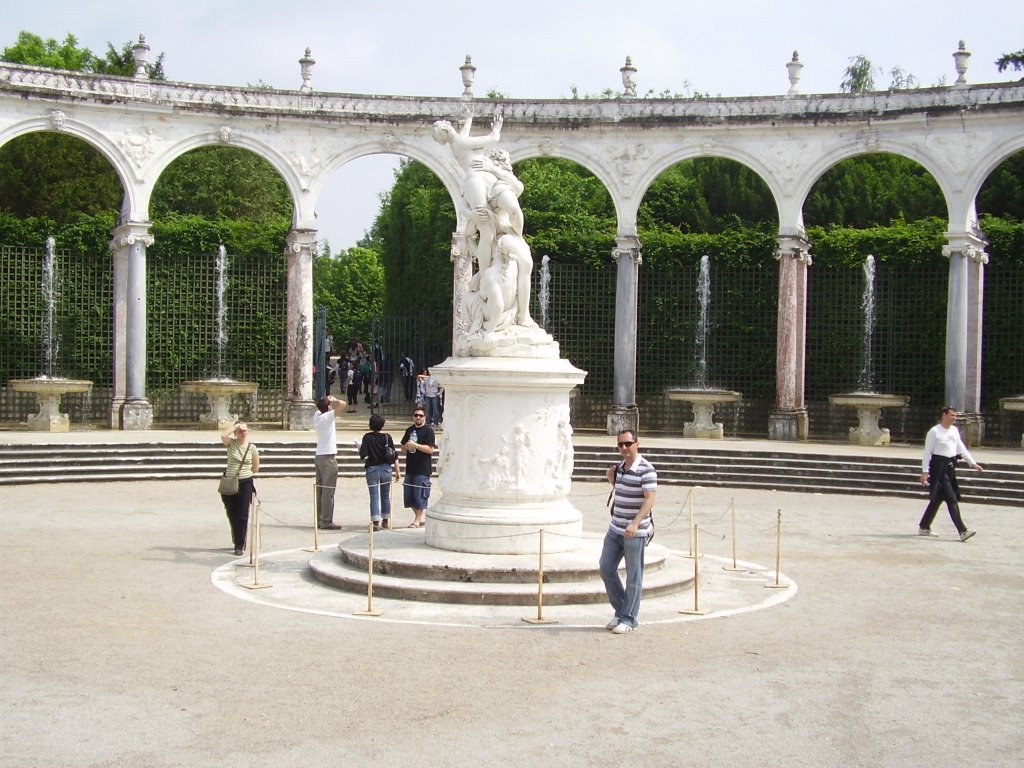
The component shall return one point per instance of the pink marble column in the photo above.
(788, 420)
(299, 404)
(624, 413)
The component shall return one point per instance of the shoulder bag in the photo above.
(228, 485)
(390, 453)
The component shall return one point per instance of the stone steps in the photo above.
(868, 474)
(404, 568)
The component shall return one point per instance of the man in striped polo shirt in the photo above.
(635, 485)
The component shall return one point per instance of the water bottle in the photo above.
(414, 436)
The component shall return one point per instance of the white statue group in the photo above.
(498, 297)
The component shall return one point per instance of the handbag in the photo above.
(389, 452)
(228, 485)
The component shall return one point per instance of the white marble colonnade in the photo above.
(959, 134)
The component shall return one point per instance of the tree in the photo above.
(1002, 194)
(221, 182)
(52, 175)
(412, 234)
(873, 190)
(351, 287)
(56, 176)
(1013, 60)
(123, 63)
(34, 50)
(859, 75)
(707, 194)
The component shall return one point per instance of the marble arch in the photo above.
(958, 133)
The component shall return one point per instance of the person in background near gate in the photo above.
(244, 461)
(355, 349)
(418, 443)
(332, 373)
(380, 469)
(408, 371)
(634, 487)
(431, 398)
(942, 449)
(326, 462)
(385, 372)
(366, 376)
(352, 387)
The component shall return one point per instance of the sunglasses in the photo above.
(626, 443)
(419, 415)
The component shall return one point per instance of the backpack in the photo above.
(357, 377)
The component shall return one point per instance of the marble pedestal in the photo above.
(218, 395)
(1013, 404)
(869, 407)
(506, 457)
(48, 393)
(703, 402)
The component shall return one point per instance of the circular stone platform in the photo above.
(288, 582)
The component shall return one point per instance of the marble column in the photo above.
(964, 309)
(299, 406)
(119, 272)
(624, 413)
(129, 244)
(788, 419)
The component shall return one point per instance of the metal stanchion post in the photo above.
(250, 535)
(369, 582)
(689, 501)
(778, 554)
(696, 579)
(316, 525)
(540, 586)
(733, 567)
(254, 548)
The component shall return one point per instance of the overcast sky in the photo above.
(531, 49)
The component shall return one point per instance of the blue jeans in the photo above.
(433, 411)
(625, 600)
(378, 480)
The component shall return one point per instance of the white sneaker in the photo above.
(926, 532)
(611, 624)
(621, 629)
(966, 535)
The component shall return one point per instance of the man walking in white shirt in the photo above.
(942, 449)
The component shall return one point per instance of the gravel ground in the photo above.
(119, 651)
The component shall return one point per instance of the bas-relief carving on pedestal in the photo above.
(531, 457)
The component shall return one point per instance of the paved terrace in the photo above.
(120, 651)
